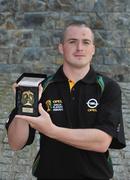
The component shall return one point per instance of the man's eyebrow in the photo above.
(73, 39)
(87, 40)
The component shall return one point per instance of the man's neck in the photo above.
(75, 74)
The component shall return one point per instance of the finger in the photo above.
(32, 125)
(14, 87)
(40, 91)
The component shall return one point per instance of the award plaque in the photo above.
(27, 93)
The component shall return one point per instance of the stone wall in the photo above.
(29, 34)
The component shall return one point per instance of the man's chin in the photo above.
(80, 65)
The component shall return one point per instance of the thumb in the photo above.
(40, 108)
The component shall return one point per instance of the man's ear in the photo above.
(60, 48)
(93, 50)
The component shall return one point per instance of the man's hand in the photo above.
(42, 123)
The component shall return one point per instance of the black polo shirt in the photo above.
(90, 104)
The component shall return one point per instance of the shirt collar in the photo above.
(89, 78)
(59, 75)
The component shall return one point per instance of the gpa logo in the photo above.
(92, 105)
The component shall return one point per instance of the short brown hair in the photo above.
(74, 23)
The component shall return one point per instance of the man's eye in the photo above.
(86, 42)
(71, 42)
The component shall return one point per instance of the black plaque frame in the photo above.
(30, 109)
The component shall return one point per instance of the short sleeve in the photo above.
(109, 116)
(31, 130)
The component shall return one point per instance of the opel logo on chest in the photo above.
(92, 103)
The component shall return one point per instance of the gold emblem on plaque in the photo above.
(27, 98)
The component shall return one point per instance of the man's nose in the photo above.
(79, 46)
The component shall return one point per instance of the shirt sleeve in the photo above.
(31, 130)
(110, 115)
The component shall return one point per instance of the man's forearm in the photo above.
(87, 139)
(18, 132)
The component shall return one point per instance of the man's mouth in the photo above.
(79, 55)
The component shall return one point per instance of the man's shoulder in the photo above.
(106, 78)
(47, 81)
(107, 81)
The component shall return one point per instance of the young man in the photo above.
(80, 116)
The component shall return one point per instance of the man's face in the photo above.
(77, 48)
